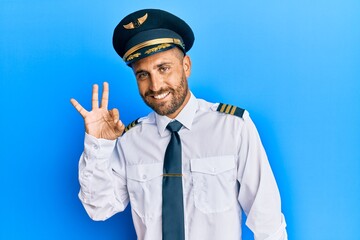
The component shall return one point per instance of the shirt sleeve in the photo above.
(259, 195)
(102, 178)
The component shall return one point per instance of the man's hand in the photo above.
(101, 122)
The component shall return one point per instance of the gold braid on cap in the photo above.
(132, 56)
(157, 48)
(157, 41)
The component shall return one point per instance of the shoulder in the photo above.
(132, 124)
(140, 121)
(222, 109)
(230, 109)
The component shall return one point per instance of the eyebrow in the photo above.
(162, 64)
(155, 67)
(140, 71)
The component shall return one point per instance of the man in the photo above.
(190, 167)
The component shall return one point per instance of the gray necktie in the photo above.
(172, 193)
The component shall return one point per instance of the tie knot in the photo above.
(174, 126)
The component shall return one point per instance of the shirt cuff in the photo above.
(280, 234)
(98, 148)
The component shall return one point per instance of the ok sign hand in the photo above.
(101, 122)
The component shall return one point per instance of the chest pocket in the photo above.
(214, 181)
(144, 182)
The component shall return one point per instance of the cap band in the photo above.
(153, 42)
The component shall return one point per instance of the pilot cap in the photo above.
(149, 31)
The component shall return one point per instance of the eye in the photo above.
(164, 69)
(142, 75)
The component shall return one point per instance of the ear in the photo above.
(187, 65)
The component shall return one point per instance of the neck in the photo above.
(174, 115)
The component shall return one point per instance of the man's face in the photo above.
(162, 81)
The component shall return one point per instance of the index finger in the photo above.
(105, 96)
(78, 107)
(95, 96)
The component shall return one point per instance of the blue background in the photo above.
(293, 64)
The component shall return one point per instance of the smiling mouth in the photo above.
(161, 96)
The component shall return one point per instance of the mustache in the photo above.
(161, 91)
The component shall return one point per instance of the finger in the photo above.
(120, 127)
(78, 107)
(105, 96)
(95, 96)
(115, 114)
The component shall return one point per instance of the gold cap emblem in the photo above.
(137, 23)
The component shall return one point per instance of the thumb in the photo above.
(115, 114)
(120, 126)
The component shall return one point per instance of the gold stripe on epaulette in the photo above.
(233, 110)
(230, 109)
(131, 125)
(222, 108)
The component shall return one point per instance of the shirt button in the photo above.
(144, 177)
(96, 147)
(213, 170)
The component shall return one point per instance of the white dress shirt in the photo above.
(225, 171)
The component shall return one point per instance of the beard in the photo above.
(178, 93)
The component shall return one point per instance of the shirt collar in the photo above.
(185, 117)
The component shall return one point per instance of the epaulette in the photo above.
(131, 125)
(230, 109)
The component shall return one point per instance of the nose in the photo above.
(155, 83)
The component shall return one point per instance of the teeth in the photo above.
(161, 96)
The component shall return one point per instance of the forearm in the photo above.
(259, 195)
(102, 185)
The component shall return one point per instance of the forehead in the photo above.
(168, 56)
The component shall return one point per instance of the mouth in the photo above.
(161, 96)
